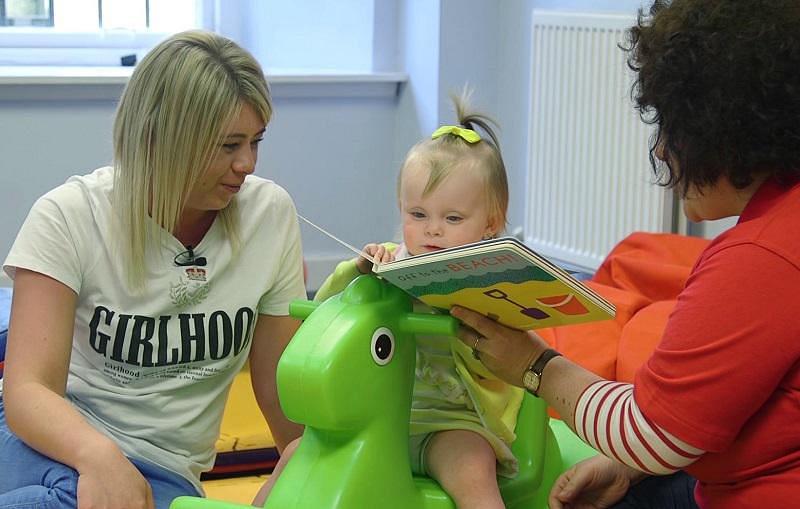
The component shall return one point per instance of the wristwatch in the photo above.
(532, 377)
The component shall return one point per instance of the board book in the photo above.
(501, 278)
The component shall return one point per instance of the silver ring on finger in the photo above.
(475, 352)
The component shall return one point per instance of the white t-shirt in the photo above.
(152, 370)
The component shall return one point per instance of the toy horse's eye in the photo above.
(382, 347)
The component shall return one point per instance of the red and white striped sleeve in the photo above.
(608, 419)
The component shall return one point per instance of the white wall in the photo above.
(312, 34)
(337, 154)
(518, 11)
(511, 72)
(42, 142)
(331, 145)
(592, 5)
(332, 152)
(445, 44)
(488, 44)
(335, 157)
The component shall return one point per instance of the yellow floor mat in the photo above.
(243, 429)
(243, 425)
(236, 489)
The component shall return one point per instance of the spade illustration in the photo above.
(535, 313)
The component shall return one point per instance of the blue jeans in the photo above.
(674, 491)
(29, 480)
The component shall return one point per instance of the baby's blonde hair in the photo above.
(448, 152)
(168, 129)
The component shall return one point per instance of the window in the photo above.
(308, 36)
(26, 13)
(89, 32)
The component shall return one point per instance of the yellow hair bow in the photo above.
(467, 135)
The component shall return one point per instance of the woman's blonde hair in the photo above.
(169, 124)
(446, 153)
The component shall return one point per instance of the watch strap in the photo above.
(538, 365)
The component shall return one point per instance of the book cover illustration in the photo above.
(502, 279)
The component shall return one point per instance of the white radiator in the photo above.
(589, 182)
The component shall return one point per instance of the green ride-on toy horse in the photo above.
(348, 375)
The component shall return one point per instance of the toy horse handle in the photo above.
(439, 325)
(301, 308)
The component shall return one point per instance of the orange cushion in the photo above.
(653, 265)
(640, 336)
(641, 276)
(594, 345)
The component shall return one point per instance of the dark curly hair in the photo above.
(721, 80)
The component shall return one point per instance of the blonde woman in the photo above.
(142, 288)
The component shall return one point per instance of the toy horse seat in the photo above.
(348, 376)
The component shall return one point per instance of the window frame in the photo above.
(54, 47)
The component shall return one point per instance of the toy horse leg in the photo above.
(573, 449)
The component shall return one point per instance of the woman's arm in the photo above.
(270, 337)
(602, 413)
(37, 364)
(509, 352)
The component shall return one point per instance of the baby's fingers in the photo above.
(371, 249)
(387, 256)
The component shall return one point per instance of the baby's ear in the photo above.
(491, 229)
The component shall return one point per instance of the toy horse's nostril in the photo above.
(382, 346)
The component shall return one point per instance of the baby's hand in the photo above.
(378, 253)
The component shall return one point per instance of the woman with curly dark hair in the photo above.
(711, 418)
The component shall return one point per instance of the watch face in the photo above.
(531, 381)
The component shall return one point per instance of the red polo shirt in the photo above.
(726, 376)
